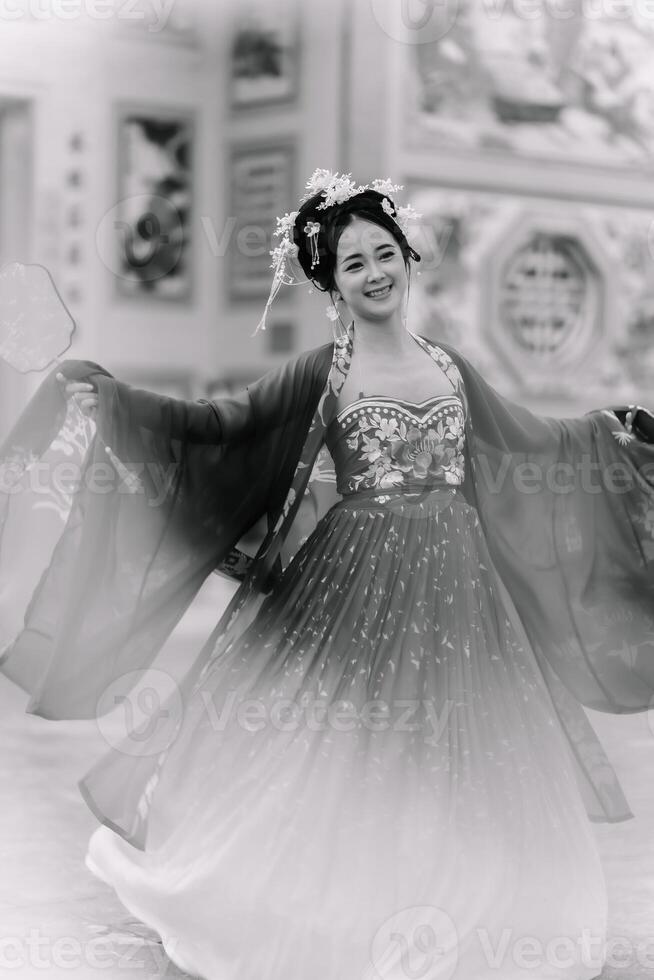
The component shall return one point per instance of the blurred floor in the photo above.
(46, 892)
(86, 932)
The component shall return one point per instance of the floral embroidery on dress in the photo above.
(15, 465)
(339, 368)
(401, 449)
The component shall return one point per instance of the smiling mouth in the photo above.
(379, 293)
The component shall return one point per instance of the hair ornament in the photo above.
(335, 188)
(311, 230)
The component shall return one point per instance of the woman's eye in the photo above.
(386, 255)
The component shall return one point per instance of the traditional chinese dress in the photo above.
(380, 768)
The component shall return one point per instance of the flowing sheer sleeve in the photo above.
(567, 509)
(566, 505)
(228, 419)
(124, 551)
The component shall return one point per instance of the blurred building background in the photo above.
(146, 147)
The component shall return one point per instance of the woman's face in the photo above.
(369, 259)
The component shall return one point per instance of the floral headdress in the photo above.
(335, 188)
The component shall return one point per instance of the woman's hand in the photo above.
(83, 393)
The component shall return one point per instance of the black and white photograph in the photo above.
(327, 489)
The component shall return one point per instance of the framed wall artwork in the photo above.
(264, 53)
(570, 89)
(261, 180)
(152, 220)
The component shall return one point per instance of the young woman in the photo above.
(379, 766)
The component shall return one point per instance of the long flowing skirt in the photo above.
(372, 782)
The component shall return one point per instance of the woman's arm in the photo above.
(201, 421)
(263, 405)
(209, 422)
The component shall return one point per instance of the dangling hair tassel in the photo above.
(280, 276)
(278, 279)
(312, 229)
(261, 325)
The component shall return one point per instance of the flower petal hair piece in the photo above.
(335, 188)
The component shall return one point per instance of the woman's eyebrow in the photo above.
(357, 255)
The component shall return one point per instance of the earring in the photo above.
(334, 316)
(331, 311)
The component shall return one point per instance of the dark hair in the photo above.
(333, 222)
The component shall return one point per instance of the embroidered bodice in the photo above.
(381, 442)
(388, 443)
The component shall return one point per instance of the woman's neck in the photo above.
(385, 338)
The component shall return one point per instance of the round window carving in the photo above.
(545, 294)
